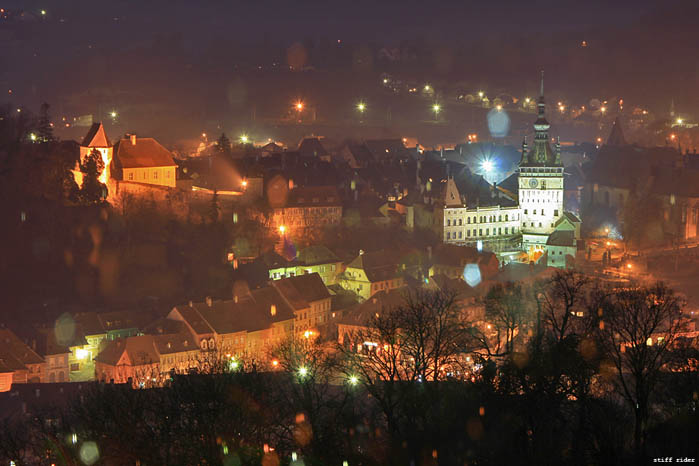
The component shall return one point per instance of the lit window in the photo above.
(130, 176)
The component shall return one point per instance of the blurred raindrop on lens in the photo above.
(64, 329)
(89, 453)
(472, 275)
(498, 123)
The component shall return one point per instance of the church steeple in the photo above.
(541, 154)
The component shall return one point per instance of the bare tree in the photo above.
(638, 330)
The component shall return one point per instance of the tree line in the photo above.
(566, 370)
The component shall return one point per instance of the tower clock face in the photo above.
(533, 183)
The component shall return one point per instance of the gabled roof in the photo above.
(360, 153)
(317, 254)
(380, 302)
(616, 135)
(146, 152)
(14, 353)
(378, 265)
(311, 147)
(96, 137)
(140, 350)
(250, 313)
(571, 217)
(302, 290)
(562, 238)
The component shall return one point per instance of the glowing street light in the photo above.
(679, 121)
(303, 371)
(282, 229)
(427, 88)
(353, 380)
(603, 109)
(488, 166)
(527, 100)
(32, 136)
(385, 80)
(361, 106)
(436, 108)
(43, 12)
(481, 94)
(244, 139)
(113, 114)
(244, 184)
(299, 106)
(498, 107)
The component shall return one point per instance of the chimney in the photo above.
(209, 301)
(133, 139)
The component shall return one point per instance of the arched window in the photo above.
(204, 344)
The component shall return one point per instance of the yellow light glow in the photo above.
(436, 108)
(32, 137)
(672, 136)
(303, 371)
(282, 229)
(527, 100)
(81, 353)
(628, 266)
(498, 107)
(427, 87)
(113, 114)
(603, 109)
(299, 106)
(244, 139)
(353, 380)
(275, 363)
(361, 106)
(244, 183)
(481, 94)
(679, 121)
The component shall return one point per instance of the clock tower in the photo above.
(540, 185)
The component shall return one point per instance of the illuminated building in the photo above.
(96, 139)
(534, 217)
(143, 160)
(18, 362)
(370, 273)
(307, 209)
(253, 322)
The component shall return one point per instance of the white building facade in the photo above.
(527, 226)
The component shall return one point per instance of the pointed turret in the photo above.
(616, 135)
(541, 154)
(524, 150)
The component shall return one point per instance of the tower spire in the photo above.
(541, 93)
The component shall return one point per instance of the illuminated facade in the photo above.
(528, 225)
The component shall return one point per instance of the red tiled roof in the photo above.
(96, 137)
(15, 353)
(147, 152)
(302, 289)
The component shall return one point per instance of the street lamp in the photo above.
(303, 371)
(361, 106)
(353, 380)
(113, 114)
(436, 108)
(427, 88)
(244, 139)
(282, 229)
(299, 106)
(481, 94)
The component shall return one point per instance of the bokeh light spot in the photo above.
(89, 453)
(472, 275)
